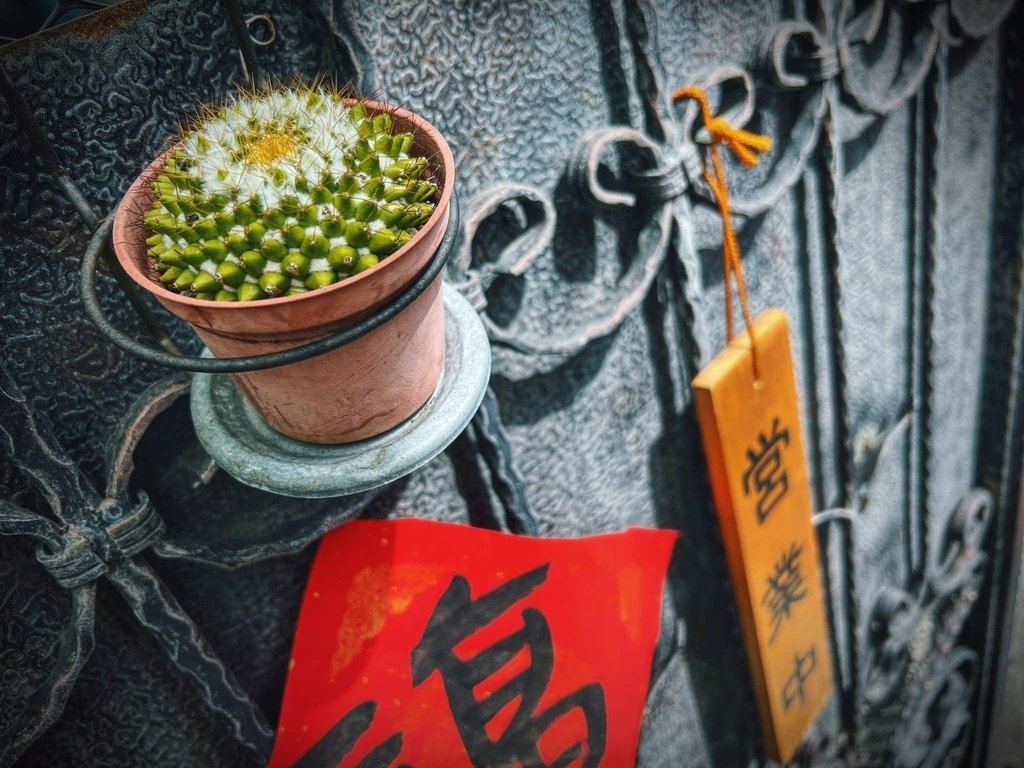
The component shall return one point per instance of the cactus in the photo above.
(282, 192)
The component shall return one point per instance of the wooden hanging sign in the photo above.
(751, 432)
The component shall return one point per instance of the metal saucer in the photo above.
(255, 454)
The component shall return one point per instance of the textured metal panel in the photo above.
(886, 222)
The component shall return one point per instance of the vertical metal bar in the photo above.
(912, 510)
(496, 451)
(1002, 408)
(814, 443)
(926, 112)
(829, 162)
(244, 40)
(642, 29)
(830, 172)
(685, 296)
(26, 121)
(810, 356)
(1007, 535)
(829, 165)
(932, 122)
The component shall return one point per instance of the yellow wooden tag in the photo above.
(755, 453)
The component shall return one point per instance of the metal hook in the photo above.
(263, 43)
(265, 19)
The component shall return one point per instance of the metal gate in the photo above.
(147, 599)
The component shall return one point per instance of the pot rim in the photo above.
(128, 216)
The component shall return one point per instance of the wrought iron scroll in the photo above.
(861, 30)
(92, 536)
(535, 217)
(517, 256)
(918, 681)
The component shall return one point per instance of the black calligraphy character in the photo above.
(766, 475)
(456, 617)
(794, 689)
(332, 747)
(785, 588)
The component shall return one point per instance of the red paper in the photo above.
(434, 645)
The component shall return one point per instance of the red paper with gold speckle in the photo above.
(434, 645)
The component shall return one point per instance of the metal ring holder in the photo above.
(248, 449)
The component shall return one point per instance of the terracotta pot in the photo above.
(357, 391)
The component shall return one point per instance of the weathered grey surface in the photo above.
(886, 222)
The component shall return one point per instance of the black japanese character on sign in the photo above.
(803, 665)
(332, 747)
(766, 476)
(785, 588)
(457, 617)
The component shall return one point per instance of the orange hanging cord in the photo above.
(746, 146)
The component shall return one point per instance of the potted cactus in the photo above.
(287, 214)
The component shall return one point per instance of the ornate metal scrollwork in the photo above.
(859, 29)
(934, 733)
(890, 627)
(960, 558)
(92, 536)
(918, 682)
(800, 54)
(535, 220)
(793, 151)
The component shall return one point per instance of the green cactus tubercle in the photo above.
(284, 192)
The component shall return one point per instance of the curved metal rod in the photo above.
(641, 275)
(791, 160)
(833, 515)
(909, 80)
(45, 704)
(90, 299)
